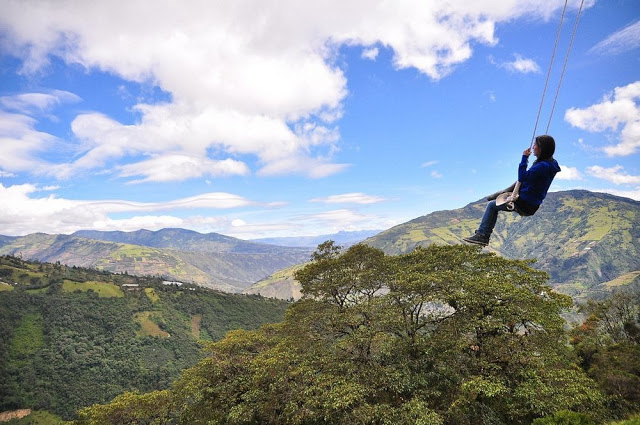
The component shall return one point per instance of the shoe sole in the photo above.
(475, 242)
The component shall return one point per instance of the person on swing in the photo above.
(534, 184)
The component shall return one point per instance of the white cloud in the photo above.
(244, 78)
(631, 194)
(336, 220)
(341, 215)
(313, 167)
(435, 174)
(617, 109)
(20, 142)
(569, 173)
(350, 198)
(342, 219)
(149, 222)
(241, 229)
(614, 175)
(37, 102)
(176, 167)
(370, 53)
(22, 211)
(628, 38)
(522, 65)
(214, 200)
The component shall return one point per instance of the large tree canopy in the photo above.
(441, 335)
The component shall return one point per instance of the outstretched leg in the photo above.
(487, 224)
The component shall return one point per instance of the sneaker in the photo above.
(477, 239)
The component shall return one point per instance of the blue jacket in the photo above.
(535, 182)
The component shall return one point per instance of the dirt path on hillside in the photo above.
(14, 414)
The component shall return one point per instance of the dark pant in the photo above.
(490, 217)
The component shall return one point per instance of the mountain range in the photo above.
(211, 260)
(588, 242)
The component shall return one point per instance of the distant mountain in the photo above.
(223, 263)
(342, 238)
(184, 240)
(6, 239)
(588, 242)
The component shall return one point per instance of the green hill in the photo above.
(71, 337)
(233, 267)
(584, 240)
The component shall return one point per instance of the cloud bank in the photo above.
(252, 90)
(22, 210)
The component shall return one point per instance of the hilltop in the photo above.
(588, 242)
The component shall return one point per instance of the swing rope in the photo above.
(546, 82)
(564, 67)
(514, 195)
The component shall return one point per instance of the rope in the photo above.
(546, 83)
(566, 59)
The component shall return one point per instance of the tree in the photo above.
(130, 409)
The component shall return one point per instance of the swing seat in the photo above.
(503, 198)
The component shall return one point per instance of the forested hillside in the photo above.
(71, 337)
(441, 335)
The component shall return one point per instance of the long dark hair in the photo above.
(547, 148)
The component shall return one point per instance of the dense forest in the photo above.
(73, 337)
(439, 335)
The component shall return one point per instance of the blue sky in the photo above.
(259, 118)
